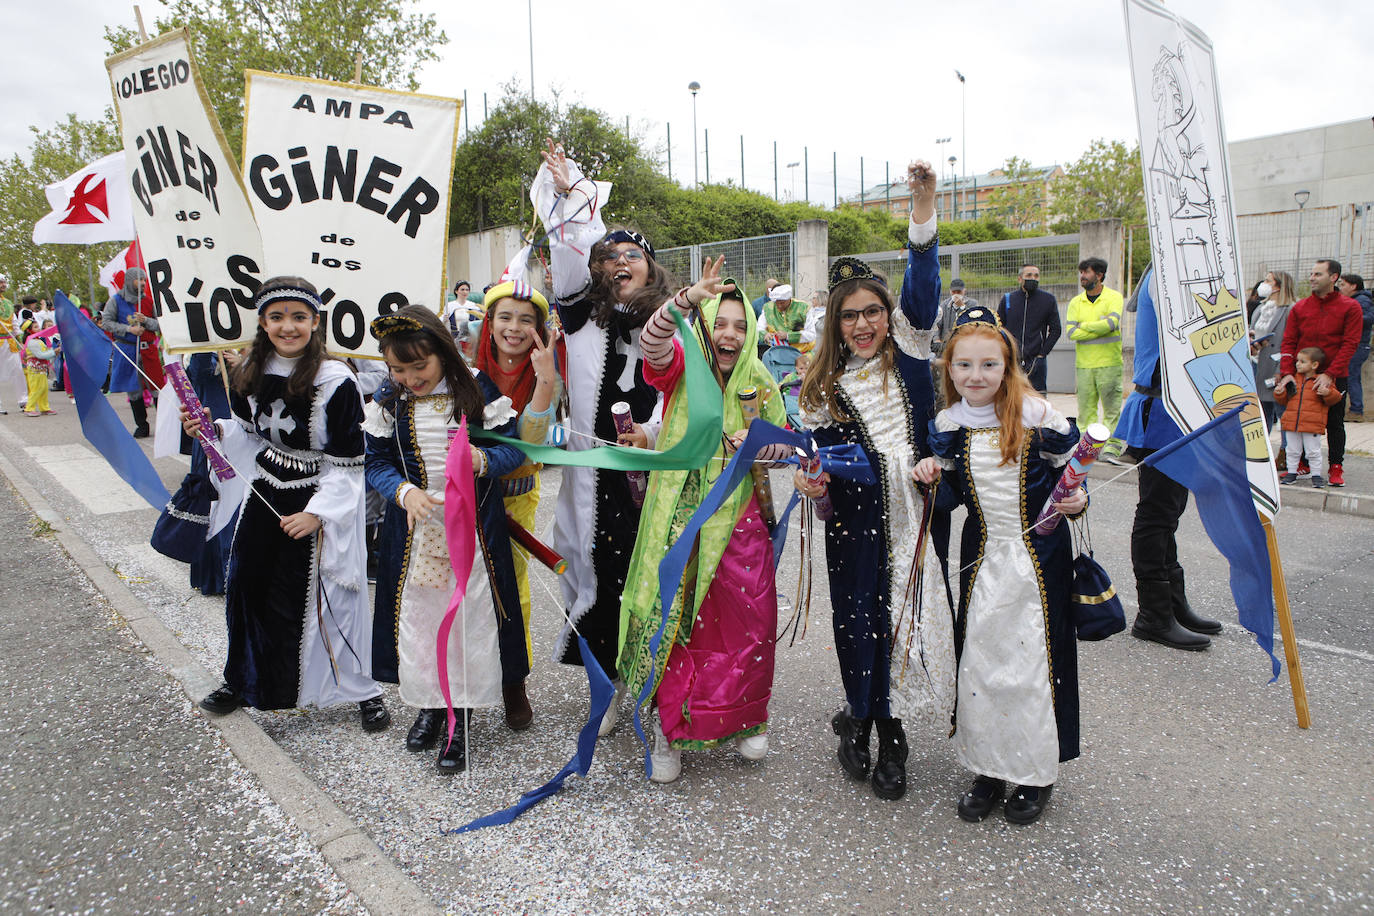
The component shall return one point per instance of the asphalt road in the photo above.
(1196, 790)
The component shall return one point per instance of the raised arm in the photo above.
(920, 298)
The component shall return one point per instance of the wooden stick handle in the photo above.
(1285, 615)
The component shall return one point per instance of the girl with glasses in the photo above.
(869, 385)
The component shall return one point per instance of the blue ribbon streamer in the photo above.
(602, 692)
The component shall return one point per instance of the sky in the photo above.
(1043, 78)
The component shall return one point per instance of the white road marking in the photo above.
(88, 477)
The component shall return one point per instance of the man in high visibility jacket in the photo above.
(1094, 325)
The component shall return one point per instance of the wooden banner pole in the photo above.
(142, 32)
(358, 68)
(1285, 615)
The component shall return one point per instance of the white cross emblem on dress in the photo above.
(277, 422)
(632, 355)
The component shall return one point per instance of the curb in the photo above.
(1296, 496)
(366, 870)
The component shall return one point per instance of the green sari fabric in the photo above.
(675, 493)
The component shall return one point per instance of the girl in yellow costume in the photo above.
(517, 351)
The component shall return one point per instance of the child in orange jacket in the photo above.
(1305, 415)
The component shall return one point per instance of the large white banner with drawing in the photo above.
(1204, 342)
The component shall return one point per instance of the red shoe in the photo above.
(1336, 476)
(1304, 469)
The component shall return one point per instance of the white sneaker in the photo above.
(755, 747)
(612, 712)
(665, 763)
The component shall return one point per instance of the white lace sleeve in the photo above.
(912, 341)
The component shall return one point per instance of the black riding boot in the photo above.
(1156, 622)
(854, 734)
(140, 410)
(889, 773)
(1183, 611)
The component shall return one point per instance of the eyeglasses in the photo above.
(871, 315)
(629, 254)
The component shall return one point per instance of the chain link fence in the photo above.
(750, 261)
(1291, 240)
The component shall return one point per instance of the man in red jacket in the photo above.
(1331, 321)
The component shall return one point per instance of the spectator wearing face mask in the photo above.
(1031, 314)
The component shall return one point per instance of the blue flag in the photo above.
(1210, 461)
(87, 352)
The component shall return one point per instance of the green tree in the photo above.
(1105, 182)
(1021, 201)
(314, 38)
(54, 154)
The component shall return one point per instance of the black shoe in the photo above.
(374, 715)
(978, 802)
(453, 755)
(425, 732)
(142, 432)
(889, 773)
(1025, 804)
(854, 734)
(222, 700)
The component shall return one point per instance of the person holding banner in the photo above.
(296, 592)
(869, 384)
(604, 298)
(128, 318)
(409, 427)
(999, 449)
(517, 351)
(714, 672)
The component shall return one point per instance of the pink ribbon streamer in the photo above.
(460, 530)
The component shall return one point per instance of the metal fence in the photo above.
(991, 269)
(750, 261)
(1291, 240)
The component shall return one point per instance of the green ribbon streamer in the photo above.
(693, 450)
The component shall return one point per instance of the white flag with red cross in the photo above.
(90, 205)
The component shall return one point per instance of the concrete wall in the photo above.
(1334, 162)
(481, 257)
(812, 269)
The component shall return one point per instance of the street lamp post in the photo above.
(792, 169)
(954, 195)
(963, 125)
(1301, 197)
(694, 87)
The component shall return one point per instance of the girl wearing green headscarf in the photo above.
(714, 672)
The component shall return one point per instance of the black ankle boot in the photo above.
(854, 734)
(1156, 622)
(453, 755)
(140, 411)
(1183, 611)
(889, 773)
(425, 732)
